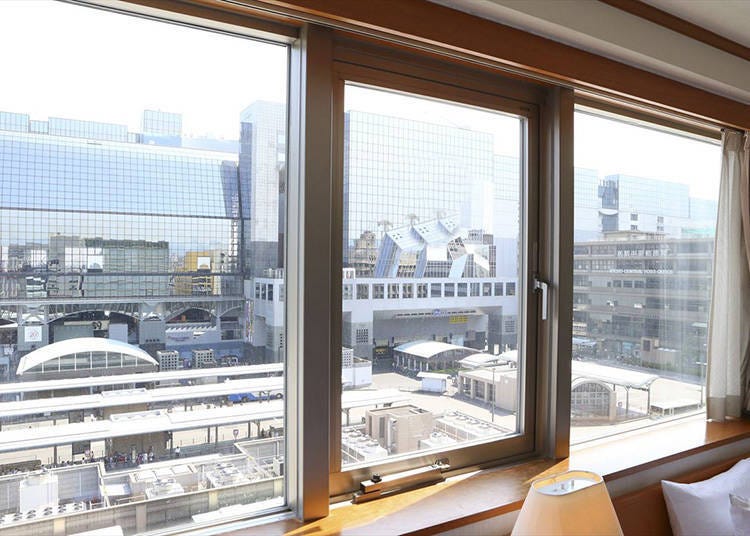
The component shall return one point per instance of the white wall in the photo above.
(359, 375)
(118, 332)
(615, 34)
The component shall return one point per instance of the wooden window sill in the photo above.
(481, 495)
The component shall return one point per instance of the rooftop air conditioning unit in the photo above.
(38, 491)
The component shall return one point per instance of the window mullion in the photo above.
(309, 247)
(556, 265)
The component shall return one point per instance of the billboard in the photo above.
(32, 333)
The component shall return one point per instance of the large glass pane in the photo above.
(143, 169)
(432, 197)
(645, 214)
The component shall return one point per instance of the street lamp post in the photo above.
(702, 367)
(494, 395)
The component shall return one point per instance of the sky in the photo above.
(504, 128)
(76, 62)
(615, 147)
(603, 144)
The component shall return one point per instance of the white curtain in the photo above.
(729, 323)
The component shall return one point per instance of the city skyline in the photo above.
(481, 241)
(231, 159)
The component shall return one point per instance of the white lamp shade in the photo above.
(574, 503)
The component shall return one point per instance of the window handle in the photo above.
(543, 286)
(381, 486)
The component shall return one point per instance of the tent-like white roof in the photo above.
(509, 355)
(427, 349)
(491, 373)
(78, 346)
(614, 375)
(481, 360)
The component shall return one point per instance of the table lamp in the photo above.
(574, 503)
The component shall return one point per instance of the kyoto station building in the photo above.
(107, 233)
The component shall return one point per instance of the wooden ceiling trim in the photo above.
(436, 27)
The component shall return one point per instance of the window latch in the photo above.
(543, 286)
(380, 486)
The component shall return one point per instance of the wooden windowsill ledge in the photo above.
(484, 494)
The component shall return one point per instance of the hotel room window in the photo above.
(141, 362)
(452, 185)
(639, 325)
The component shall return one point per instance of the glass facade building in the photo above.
(262, 172)
(91, 227)
(88, 218)
(69, 206)
(640, 210)
(399, 172)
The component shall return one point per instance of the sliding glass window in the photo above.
(142, 224)
(434, 230)
(645, 214)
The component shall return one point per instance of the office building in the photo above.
(628, 203)
(643, 298)
(632, 204)
(431, 171)
(262, 172)
(109, 233)
(203, 358)
(168, 360)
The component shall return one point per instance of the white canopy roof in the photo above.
(481, 360)
(140, 377)
(77, 346)
(510, 355)
(126, 397)
(614, 375)
(429, 349)
(146, 422)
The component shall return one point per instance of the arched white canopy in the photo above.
(82, 345)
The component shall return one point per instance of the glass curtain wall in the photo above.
(142, 223)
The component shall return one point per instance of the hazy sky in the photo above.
(69, 61)
(614, 147)
(504, 128)
(605, 145)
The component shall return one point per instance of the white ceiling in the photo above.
(607, 31)
(728, 18)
